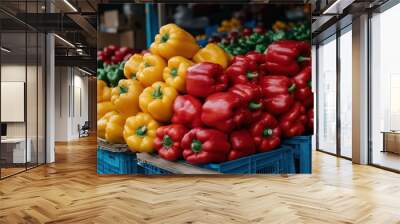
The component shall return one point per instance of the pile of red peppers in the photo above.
(245, 109)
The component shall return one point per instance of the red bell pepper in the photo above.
(310, 123)
(203, 145)
(242, 70)
(242, 144)
(251, 108)
(283, 57)
(168, 141)
(277, 92)
(266, 133)
(187, 111)
(221, 111)
(260, 61)
(204, 79)
(303, 92)
(293, 122)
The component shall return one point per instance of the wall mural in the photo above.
(204, 89)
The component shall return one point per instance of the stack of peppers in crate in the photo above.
(204, 105)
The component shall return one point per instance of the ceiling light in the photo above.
(70, 5)
(5, 50)
(84, 71)
(64, 40)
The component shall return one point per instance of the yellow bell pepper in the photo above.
(157, 100)
(140, 132)
(151, 69)
(115, 128)
(174, 41)
(103, 108)
(102, 124)
(212, 53)
(125, 97)
(132, 66)
(111, 126)
(103, 91)
(175, 73)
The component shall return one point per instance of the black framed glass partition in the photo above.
(22, 76)
(326, 95)
(385, 88)
(334, 93)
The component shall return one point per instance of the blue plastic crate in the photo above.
(278, 161)
(149, 169)
(116, 162)
(301, 146)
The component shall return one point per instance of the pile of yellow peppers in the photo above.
(132, 111)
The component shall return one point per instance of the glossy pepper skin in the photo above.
(174, 74)
(266, 133)
(310, 122)
(132, 66)
(242, 144)
(242, 70)
(157, 100)
(204, 79)
(125, 97)
(102, 124)
(115, 74)
(222, 111)
(203, 145)
(140, 132)
(212, 53)
(251, 104)
(151, 69)
(283, 57)
(110, 127)
(103, 91)
(278, 93)
(103, 108)
(187, 111)
(259, 59)
(303, 92)
(293, 122)
(168, 141)
(174, 41)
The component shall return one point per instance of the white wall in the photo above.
(71, 107)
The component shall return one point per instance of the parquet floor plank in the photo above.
(70, 191)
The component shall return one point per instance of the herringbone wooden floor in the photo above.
(70, 191)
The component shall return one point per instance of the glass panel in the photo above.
(385, 84)
(346, 94)
(13, 77)
(41, 99)
(31, 98)
(327, 96)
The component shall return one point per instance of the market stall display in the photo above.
(237, 97)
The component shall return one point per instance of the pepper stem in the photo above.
(174, 72)
(267, 132)
(167, 141)
(146, 65)
(292, 88)
(254, 105)
(302, 58)
(141, 131)
(251, 75)
(133, 76)
(123, 89)
(157, 93)
(164, 38)
(196, 146)
(310, 83)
